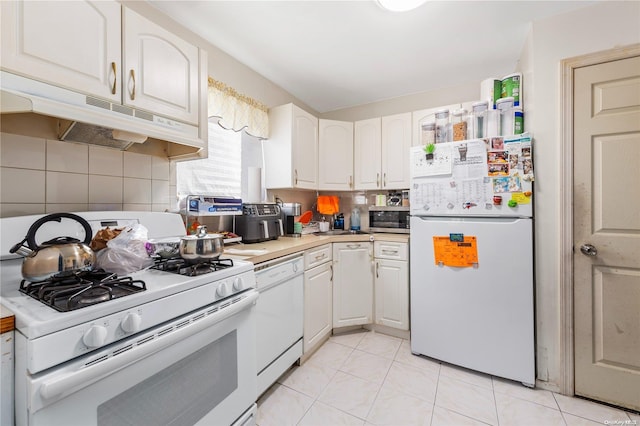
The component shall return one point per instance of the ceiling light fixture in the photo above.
(400, 5)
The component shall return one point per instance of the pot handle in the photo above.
(57, 217)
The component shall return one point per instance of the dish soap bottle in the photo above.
(355, 219)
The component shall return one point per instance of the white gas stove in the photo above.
(53, 347)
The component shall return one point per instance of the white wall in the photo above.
(415, 102)
(592, 29)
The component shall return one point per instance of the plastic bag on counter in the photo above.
(125, 253)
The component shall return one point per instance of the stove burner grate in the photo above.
(70, 292)
(181, 267)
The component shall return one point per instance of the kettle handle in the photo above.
(57, 217)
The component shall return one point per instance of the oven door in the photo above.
(198, 369)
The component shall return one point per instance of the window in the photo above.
(220, 173)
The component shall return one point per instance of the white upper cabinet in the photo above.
(382, 152)
(335, 165)
(105, 50)
(73, 44)
(160, 70)
(291, 152)
(367, 167)
(396, 144)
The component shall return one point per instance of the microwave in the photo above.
(393, 219)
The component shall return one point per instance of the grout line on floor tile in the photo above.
(379, 389)
(435, 395)
(495, 401)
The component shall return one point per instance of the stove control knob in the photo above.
(222, 290)
(95, 336)
(238, 284)
(131, 323)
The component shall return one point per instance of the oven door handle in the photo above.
(75, 380)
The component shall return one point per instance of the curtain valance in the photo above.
(236, 111)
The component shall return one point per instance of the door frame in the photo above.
(566, 202)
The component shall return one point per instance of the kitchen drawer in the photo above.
(317, 256)
(391, 250)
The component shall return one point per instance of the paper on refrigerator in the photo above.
(463, 185)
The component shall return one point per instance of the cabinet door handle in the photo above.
(115, 78)
(331, 267)
(385, 179)
(390, 251)
(350, 181)
(353, 246)
(377, 180)
(321, 256)
(377, 265)
(295, 173)
(133, 88)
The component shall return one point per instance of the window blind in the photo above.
(220, 173)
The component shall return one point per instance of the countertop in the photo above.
(268, 250)
(7, 320)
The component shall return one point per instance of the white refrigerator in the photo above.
(471, 250)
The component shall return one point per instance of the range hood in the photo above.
(91, 120)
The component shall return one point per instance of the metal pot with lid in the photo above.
(201, 247)
(61, 255)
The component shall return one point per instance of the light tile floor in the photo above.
(366, 378)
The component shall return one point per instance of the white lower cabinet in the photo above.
(6, 378)
(318, 296)
(352, 284)
(392, 284)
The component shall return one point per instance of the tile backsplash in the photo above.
(40, 176)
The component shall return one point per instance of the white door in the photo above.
(396, 144)
(73, 44)
(352, 284)
(161, 71)
(392, 293)
(367, 157)
(318, 301)
(606, 217)
(335, 151)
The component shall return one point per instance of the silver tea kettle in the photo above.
(61, 255)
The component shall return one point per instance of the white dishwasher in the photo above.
(279, 317)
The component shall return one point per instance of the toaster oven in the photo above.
(394, 219)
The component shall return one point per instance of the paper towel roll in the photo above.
(254, 184)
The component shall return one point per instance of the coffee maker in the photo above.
(289, 213)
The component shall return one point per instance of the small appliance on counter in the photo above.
(216, 210)
(338, 221)
(290, 211)
(394, 219)
(259, 222)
